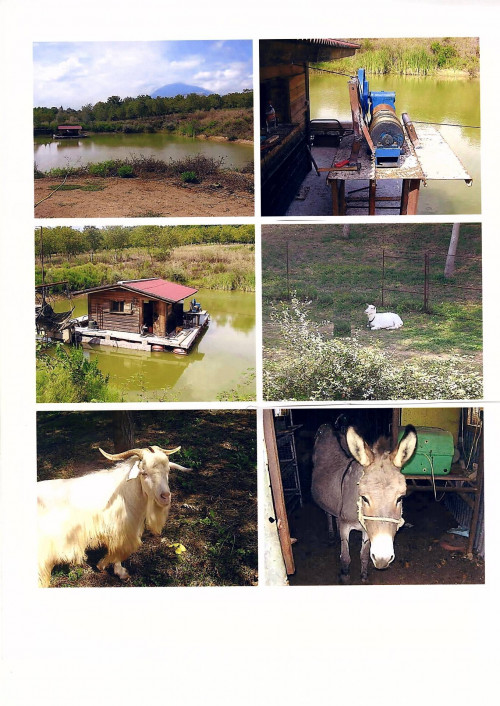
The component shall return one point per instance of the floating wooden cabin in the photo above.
(146, 314)
(285, 133)
(64, 131)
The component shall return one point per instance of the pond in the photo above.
(221, 361)
(50, 153)
(426, 99)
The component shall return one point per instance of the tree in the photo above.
(123, 431)
(94, 238)
(449, 268)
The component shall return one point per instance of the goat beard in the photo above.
(156, 516)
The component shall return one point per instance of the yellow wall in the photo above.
(444, 418)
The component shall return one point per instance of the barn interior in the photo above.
(442, 540)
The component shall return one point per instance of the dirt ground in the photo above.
(214, 505)
(420, 558)
(135, 198)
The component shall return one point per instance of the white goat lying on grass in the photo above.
(386, 320)
(106, 508)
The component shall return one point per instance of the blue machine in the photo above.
(379, 113)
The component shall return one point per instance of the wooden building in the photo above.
(285, 113)
(147, 314)
(69, 131)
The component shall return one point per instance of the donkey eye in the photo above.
(365, 499)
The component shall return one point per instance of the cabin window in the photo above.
(118, 307)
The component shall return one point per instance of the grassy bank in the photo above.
(313, 366)
(224, 267)
(413, 57)
(197, 169)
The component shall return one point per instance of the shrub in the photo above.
(101, 169)
(68, 376)
(125, 171)
(316, 368)
(189, 177)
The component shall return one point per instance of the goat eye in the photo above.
(365, 499)
(400, 498)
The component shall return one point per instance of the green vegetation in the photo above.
(192, 115)
(311, 366)
(212, 257)
(415, 56)
(338, 275)
(203, 169)
(66, 375)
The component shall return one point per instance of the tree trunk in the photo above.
(123, 431)
(449, 268)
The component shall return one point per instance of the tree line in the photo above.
(66, 240)
(116, 109)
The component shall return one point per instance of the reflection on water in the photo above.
(428, 99)
(51, 153)
(218, 363)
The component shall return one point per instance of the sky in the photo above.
(72, 74)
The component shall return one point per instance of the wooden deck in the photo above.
(183, 339)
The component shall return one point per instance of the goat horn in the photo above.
(177, 467)
(123, 455)
(169, 451)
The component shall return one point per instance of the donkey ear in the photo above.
(406, 447)
(359, 448)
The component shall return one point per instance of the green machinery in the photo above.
(434, 452)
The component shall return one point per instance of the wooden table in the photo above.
(432, 160)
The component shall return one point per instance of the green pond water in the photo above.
(428, 99)
(218, 363)
(50, 153)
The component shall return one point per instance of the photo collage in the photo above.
(258, 306)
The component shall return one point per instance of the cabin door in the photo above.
(148, 315)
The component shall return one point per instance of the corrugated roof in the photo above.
(69, 127)
(160, 288)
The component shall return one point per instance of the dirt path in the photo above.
(136, 198)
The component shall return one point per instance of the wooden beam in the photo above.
(277, 491)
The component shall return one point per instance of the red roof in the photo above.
(161, 288)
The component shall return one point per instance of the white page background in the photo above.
(374, 644)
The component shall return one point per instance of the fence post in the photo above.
(287, 272)
(426, 282)
(383, 274)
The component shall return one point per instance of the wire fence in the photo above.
(423, 280)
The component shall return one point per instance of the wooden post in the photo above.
(426, 282)
(287, 272)
(371, 198)
(335, 197)
(277, 491)
(383, 275)
(409, 197)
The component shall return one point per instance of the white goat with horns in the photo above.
(106, 508)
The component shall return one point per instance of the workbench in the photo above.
(432, 160)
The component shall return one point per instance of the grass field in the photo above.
(332, 277)
(214, 505)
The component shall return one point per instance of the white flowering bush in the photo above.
(313, 367)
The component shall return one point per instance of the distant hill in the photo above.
(178, 89)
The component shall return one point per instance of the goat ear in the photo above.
(134, 471)
(406, 447)
(359, 448)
